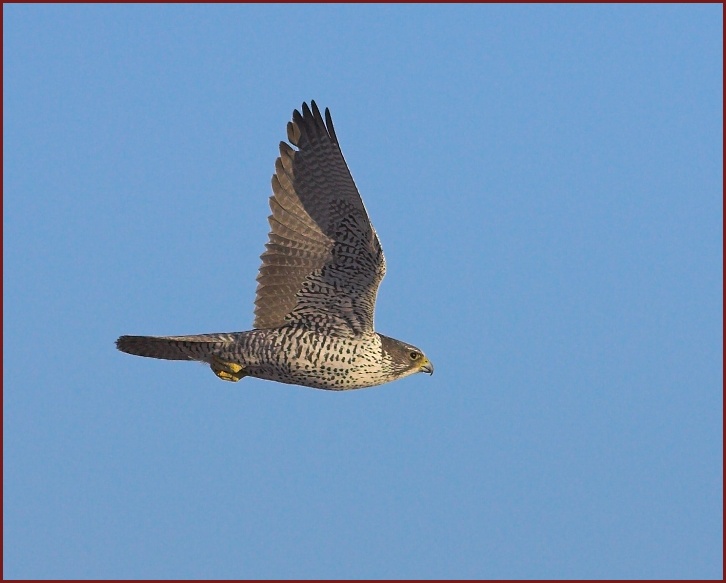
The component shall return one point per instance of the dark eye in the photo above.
(414, 355)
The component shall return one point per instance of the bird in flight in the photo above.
(317, 284)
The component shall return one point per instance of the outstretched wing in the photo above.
(323, 262)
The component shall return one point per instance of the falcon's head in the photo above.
(403, 359)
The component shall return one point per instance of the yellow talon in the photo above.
(227, 371)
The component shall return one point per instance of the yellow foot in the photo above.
(227, 371)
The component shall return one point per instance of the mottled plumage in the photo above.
(317, 284)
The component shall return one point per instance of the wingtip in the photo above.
(309, 120)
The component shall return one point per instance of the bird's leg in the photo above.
(227, 371)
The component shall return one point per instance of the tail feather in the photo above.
(200, 347)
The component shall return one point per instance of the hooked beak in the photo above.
(427, 367)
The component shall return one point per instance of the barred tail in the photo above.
(200, 347)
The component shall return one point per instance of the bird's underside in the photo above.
(317, 284)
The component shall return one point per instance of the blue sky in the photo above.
(547, 185)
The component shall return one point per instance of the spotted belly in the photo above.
(309, 359)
